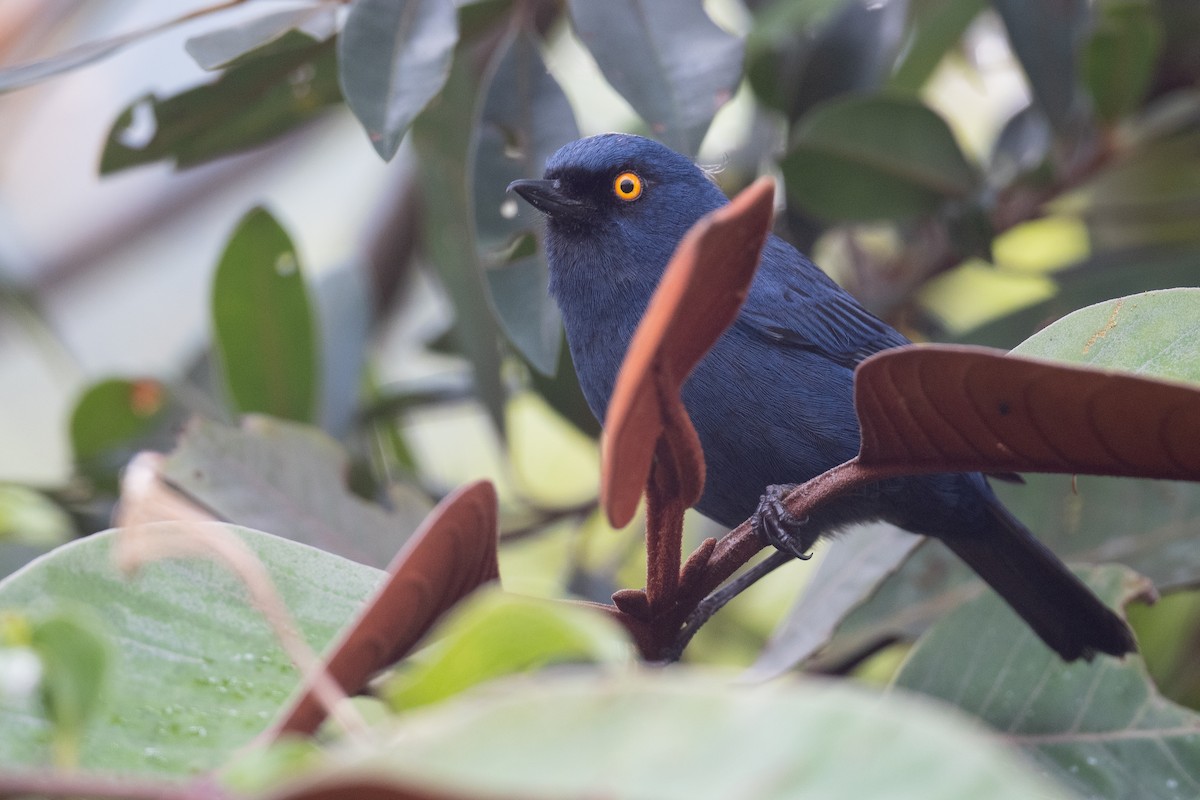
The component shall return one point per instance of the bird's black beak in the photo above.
(548, 197)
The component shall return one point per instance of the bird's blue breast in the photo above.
(764, 414)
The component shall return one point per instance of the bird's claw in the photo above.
(778, 527)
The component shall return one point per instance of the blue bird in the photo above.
(772, 401)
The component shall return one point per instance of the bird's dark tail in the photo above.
(1039, 587)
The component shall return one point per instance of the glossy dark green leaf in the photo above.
(1046, 35)
(667, 58)
(394, 57)
(115, 418)
(872, 157)
(525, 118)
(233, 472)
(114, 413)
(196, 672)
(1100, 728)
(1120, 55)
(801, 54)
(217, 49)
(935, 26)
(442, 139)
(291, 80)
(262, 319)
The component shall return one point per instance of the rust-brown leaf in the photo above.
(699, 297)
(956, 408)
(452, 553)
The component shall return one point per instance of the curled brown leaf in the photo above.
(452, 553)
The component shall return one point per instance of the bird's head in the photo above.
(618, 202)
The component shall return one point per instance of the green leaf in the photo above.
(1168, 641)
(111, 421)
(875, 156)
(442, 140)
(1100, 727)
(344, 316)
(1161, 178)
(935, 26)
(678, 734)
(667, 58)
(261, 96)
(263, 323)
(802, 54)
(196, 672)
(254, 770)
(113, 413)
(75, 656)
(854, 566)
(525, 118)
(1120, 56)
(1104, 275)
(289, 480)
(1045, 36)
(30, 518)
(219, 48)
(1147, 525)
(1021, 148)
(394, 57)
(495, 634)
(1155, 333)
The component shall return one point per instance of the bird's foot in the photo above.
(779, 527)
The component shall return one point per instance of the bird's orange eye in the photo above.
(628, 186)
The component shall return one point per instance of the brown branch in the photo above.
(661, 633)
(548, 516)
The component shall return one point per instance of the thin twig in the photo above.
(548, 516)
(718, 599)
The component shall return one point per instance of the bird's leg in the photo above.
(779, 527)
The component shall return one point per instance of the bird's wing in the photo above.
(794, 303)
